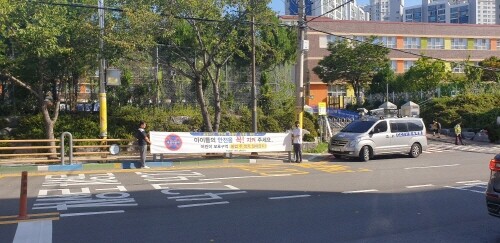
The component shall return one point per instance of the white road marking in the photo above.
(287, 197)
(361, 191)
(242, 177)
(34, 231)
(467, 182)
(433, 166)
(90, 213)
(418, 186)
(465, 189)
(232, 187)
(201, 204)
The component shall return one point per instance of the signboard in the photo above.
(322, 108)
(113, 76)
(201, 142)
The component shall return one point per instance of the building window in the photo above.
(334, 38)
(458, 68)
(387, 41)
(336, 90)
(408, 65)
(498, 44)
(482, 44)
(459, 43)
(412, 43)
(435, 43)
(394, 65)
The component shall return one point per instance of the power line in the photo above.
(407, 52)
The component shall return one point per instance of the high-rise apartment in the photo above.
(457, 12)
(386, 10)
(334, 9)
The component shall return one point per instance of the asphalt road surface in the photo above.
(438, 197)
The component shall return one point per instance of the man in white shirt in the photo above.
(297, 136)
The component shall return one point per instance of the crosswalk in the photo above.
(446, 147)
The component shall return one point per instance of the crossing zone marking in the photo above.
(332, 168)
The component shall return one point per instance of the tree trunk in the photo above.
(49, 128)
(203, 106)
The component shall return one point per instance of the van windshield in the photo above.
(358, 126)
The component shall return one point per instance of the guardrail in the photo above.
(38, 151)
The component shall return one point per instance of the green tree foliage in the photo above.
(352, 61)
(381, 79)
(492, 69)
(426, 75)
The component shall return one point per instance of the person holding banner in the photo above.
(142, 142)
(297, 136)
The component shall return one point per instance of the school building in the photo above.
(450, 42)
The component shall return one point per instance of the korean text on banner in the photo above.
(200, 142)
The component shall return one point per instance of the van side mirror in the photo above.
(371, 132)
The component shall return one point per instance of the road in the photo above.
(438, 197)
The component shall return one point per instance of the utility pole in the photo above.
(254, 88)
(103, 131)
(299, 83)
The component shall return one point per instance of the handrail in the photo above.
(70, 148)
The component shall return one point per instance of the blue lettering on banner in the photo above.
(408, 134)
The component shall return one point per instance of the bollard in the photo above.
(23, 200)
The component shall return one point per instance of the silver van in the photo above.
(370, 137)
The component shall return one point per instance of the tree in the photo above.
(353, 61)
(492, 69)
(426, 74)
(49, 47)
(382, 79)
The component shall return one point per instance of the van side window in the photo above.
(380, 127)
(399, 126)
(415, 126)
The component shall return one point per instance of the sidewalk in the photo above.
(451, 139)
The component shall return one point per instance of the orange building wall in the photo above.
(400, 66)
(319, 93)
(399, 42)
(493, 44)
(82, 88)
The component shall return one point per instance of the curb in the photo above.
(8, 169)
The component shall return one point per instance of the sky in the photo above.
(279, 5)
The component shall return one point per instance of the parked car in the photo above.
(493, 190)
(369, 137)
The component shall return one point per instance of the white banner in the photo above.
(203, 142)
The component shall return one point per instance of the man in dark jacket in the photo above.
(142, 142)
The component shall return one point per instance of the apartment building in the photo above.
(451, 42)
(457, 12)
(335, 9)
(386, 10)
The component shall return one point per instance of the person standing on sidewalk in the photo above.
(436, 128)
(142, 142)
(458, 133)
(297, 135)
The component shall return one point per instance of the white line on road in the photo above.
(287, 197)
(201, 204)
(90, 213)
(467, 182)
(428, 167)
(418, 186)
(232, 187)
(34, 231)
(361, 191)
(242, 177)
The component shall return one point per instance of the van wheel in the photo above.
(364, 154)
(415, 150)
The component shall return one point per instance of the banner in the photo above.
(202, 142)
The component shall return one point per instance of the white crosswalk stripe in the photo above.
(445, 147)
